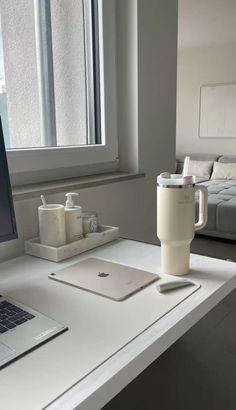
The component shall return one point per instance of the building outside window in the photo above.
(52, 82)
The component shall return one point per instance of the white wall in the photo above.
(206, 54)
(151, 75)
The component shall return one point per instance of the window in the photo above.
(52, 88)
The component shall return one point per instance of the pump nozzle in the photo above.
(69, 200)
(186, 166)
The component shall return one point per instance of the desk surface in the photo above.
(43, 377)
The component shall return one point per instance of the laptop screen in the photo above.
(7, 216)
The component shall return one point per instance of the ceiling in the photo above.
(206, 23)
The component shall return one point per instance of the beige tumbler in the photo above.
(176, 220)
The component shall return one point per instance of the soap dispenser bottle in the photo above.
(73, 218)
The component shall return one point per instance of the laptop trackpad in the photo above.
(5, 352)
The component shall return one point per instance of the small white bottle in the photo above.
(73, 216)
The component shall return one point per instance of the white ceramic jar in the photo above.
(52, 229)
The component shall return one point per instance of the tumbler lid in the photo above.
(167, 179)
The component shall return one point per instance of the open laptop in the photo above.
(105, 278)
(22, 329)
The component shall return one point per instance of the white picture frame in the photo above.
(217, 111)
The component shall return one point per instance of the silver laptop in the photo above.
(105, 278)
(22, 329)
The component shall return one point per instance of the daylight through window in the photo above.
(61, 66)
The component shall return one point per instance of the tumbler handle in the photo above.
(203, 207)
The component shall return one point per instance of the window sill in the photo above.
(34, 190)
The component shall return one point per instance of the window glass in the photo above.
(18, 37)
(3, 96)
(69, 71)
(20, 107)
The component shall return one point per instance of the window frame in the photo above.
(26, 165)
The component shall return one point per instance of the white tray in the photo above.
(35, 248)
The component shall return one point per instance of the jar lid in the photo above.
(167, 179)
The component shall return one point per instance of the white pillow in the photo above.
(223, 170)
(200, 168)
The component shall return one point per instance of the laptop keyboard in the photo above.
(12, 316)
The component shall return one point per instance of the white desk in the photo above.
(40, 377)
